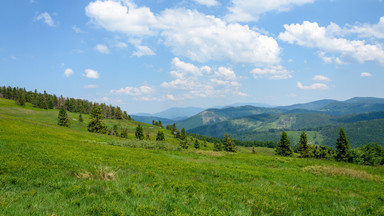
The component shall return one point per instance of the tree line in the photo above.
(368, 154)
(51, 101)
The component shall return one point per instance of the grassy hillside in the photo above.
(50, 170)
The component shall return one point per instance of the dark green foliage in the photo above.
(284, 146)
(139, 134)
(253, 150)
(111, 133)
(96, 124)
(217, 146)
(183, 135)
(160, 136)
(322, 152)
(124, 133)
(81, 118)
(184, 144)
(303, 148)
(63, 119)
(229, 144)
(116, 130)
(342, 147)
(197, 144)
(368, 154)
(20, 98)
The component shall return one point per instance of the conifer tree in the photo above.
(124, 133)
(116, 130)
(217, 146)
(20, 98)
(183, 135)
(81, 118)
(160, 136)
(229, 144)
(342, 147)
(284, 146)
(63, 119)
(253, 150)
(139, 134)
(197, 144)
(303, 148)
(96, 124)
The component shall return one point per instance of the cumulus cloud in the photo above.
(187, 33)
(246, 10)
(368, 30)
(134, 91)
(121, 16)
(365, 74)
(101, 48)
(89, 73)
(321, 78)
(208, 3)
(141, 50)
(68, 72)
(275, 72)
(310, 34)
(46, 18)
(192, 81)
(313, 86)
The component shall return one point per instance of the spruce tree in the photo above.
(342, 147)
(183, 135)
(160, 136)
(81, 118)
(229, 144)
(284, 146)
(139, 134)
(116, 130)
(124, 133)
(197, 144)
(217, 146)
(303, 148)
(96, 124)
(63, 119)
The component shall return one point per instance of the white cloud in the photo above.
(321, 78)
(90, 86)
(191, 81)
(89, 73)
(274, 72)
(133, 91)
(208, 3)
(187, 33)
(101, 48)
(367, 30)
(68, 72)
(123, 16)
(365, 74)
(46, 18)
(246, 10)
(313, 86)
(141, 50)
(313, 36)
(119, 44)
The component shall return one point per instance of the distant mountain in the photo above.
(178, 113)
(321, 118)
(149, 119)
(315, 105)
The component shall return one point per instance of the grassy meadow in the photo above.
(46, 169)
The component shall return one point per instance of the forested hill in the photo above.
(49, 101)
(362, 118)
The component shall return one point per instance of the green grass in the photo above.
(50, 170)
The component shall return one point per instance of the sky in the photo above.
(150, 55)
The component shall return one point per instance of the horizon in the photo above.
(150, 56)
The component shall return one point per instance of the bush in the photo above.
(368, 154)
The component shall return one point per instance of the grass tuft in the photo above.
(341, 171)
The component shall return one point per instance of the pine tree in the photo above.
(342, 147)
(139, 132)
(197, 144)
(96, 124)
(63, 118)
(229, 144)
(183, 135)
(303, 148)
(81, 118)
(20, 98)
(124, 133)
(284, 146)
(116, 130)
(160, 136)
(217, 146)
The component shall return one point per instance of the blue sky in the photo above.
(150, 55)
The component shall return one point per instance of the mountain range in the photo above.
(361, 117)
